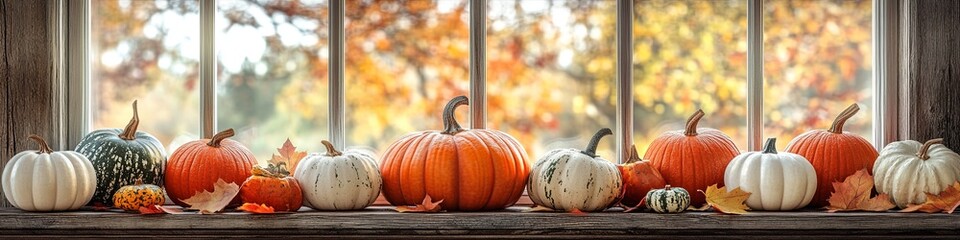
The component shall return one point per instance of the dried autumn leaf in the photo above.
(577, 212)
(172, 209)
(853, 194)
(256, 208)
(153, 209)
(539, 209)
(212, 202)
(722, 201)
(704, 208)
(947, 201)
(640, 206)
(427, 206)
(289, 156)
(100, 207)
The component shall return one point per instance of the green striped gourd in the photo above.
(335, 180)
(668, 199)
(568, 179)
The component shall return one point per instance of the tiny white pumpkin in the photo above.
(776, 181)
(668, 199)
(339, 181)
(907, 169)
(45, 180)
(567, 179)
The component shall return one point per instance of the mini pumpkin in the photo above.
(196, 166)
(568, 179)
(45, 180)
(668, 200)
(338, 180)
(132, 197)
(776, 181)
(639, 177)
(272, 187)
(907, 169)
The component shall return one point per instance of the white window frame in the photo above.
(884, 77)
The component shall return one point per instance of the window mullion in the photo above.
(208, 68)
(754, 75)
(335, 77)
(478, 66)
(78, 72)
(624, 123)
(885, 78)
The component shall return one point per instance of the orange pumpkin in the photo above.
(834, 154)
(272, 187)
(639, 177)
(692, 158)
(470, 170)
(196, 166)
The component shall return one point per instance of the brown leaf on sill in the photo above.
(173, 210)
(539, 209)
(639, 207)
(577, 212)
(212, 202)
(853, 194)
(427, 206)
(153, 209)
(704, 208)
(946, 202)
(100, 207)
(257, 208)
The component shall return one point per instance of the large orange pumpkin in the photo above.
(692, 158)
(196, 166)
(470, 170)
(834, 154)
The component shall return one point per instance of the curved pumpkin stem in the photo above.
(44, 148)
(215, 141)
(331, 151)
(130, 132)
(592, 146)
(450, 125)
(692, 122)
(837, 126)
(667, 187)
(926, 147)
(770, 146)
(634, 156)
(139, 181)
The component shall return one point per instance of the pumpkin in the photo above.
(693, 158)
(45, 180)
(568, 179)
(132, 197)
(272, 187)
(121, 156)
(668, 200)
(339, 180)
(776, 181)
(835, 154)
(197, 165)
(639, 177)
(907, 169)
(470, 170)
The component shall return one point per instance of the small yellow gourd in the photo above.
(132, 197)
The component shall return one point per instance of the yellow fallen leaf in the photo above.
(731, 202)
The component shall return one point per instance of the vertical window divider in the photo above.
(624, 123)
(208, 68)
(478, 66)
(754, 75)
(78, 42)
(885, 42)
(335, 77)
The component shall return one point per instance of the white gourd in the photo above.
(777, 181)
(339, 181)
(907, 169)
(45, 180)
(567, 179)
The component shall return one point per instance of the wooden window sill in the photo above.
(384, 222)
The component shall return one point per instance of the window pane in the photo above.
(817, 61)
(404, 61)
(272, 61)
(146, 51)
(551, 72)
(689, 55)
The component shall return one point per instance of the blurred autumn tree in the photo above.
(551, 67)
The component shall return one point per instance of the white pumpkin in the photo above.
(776, 181)
(339, 181)
(45, 180)
(907, 169)
(567, 179)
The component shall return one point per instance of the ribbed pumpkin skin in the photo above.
(44, 181)
(283, 194)
(906, 176)
(668, 200)
(196, 166)
(639, 177)
(132, 197)
(119, 162)
(568, 179)
(776, 181)
(339, 181)
(470, 170)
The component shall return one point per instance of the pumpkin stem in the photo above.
(837, 126)
(667, 187)
(139, 181)
(926, 147)
(331, 151)
(592, 146)
(692, 122)
(220, 136)
(44, 148)
(450, 125)
(634, 157)
(770, 146)
(130, 132)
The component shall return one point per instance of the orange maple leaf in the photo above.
(427, 206)
(289, 157)
(577, 212)
(946, 201)
(729, 202)
(152, 209)
(256, 208)
(853, 194)
(212, 202)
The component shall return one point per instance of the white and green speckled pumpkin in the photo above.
(668, 199)
(339, 181)
(568, 179)
(907, 169)
(45, 180)
(777, 181)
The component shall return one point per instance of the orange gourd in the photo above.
(272, 187)
(639, 177)
(692, 158)
(196, 166)
(834, 154)
(470, 170)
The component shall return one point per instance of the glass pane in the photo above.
(689, 55)
(146, 51)
(404, 61)
(551, 72)
(272, 83)
(817, 61)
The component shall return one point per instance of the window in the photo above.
(550, 68)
